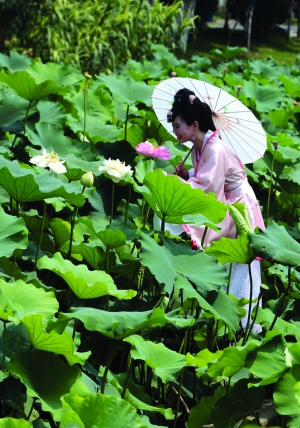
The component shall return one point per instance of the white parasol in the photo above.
(236, 124)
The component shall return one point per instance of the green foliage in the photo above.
(102, 316)
(93, 35)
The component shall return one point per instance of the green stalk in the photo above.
(31, 409)
(40, 238)
(204, 235)
(255, 316)
(84, 107)
(132, 364)
(163, 225)
(110, 358)
(229, 278)
(283, 296)
(127, 204)
(180, 385)
(5, 344)
(250, 306)
(72, 232)
(112, 202)
(107, 259)
(270, 186)
(126, 122)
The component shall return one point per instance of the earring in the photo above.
(193, 137)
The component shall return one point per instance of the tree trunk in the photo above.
(248, 23)
(288, 32)
(226, 26)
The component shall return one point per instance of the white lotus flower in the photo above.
(115, 169)
(50, 160)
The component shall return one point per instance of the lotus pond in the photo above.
(107, 321)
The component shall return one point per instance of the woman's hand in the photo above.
(181, 171)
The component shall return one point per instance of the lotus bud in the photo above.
(87, 179)
(275, 145)
(87, 75)
(295, 103)
(173, 73)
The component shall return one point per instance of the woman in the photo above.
(217, 169)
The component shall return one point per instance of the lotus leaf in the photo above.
(166, 364)
(84, 283)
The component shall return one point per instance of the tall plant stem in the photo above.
(5, 344)
(27, 111)
(180, 384)
(270, 187)
(107, 259)
(283, 296)
(110, 358)
(229, 278)
(250, 305)
(204, 235)
(112, 203)
(84, 107)
(255, 316)
(126, 122)
(41, 236)
(72, 232)
(127, 204)
(132, 364)
(163, 224)
(31, 409)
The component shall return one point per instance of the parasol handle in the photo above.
(190, 151)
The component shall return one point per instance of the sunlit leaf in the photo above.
(227, 250)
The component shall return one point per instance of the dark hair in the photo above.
(191, 109)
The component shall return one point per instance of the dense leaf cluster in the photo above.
(108, 321)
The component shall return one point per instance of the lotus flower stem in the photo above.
(127, 204)
(107, 259)
(283, 296)
(270, 187)
(41, 237)
(112, 355)
(84, 107)
(250, 306)
(229, 279)
(112, 202)
(163, 224)
(132, 364)
(204, 235)
(255, 315)
(72, 232)
(126, 122)
(31, 408)
(5, 344)
(180, 384)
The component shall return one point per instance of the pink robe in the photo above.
(219, 170)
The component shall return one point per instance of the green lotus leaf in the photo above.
(24, 186)
(265, 317)
(52, 342)
(51, 113)
(266, 97)
(142, 168)
(171, 199)
(275, 244)
(15, 61)
(118, 325)
(132, 399)
(84, 283)
(286, 395)
(166, 364)
(290, 173)
(13, 108)
(125, 89)
(263, 68)
(268, 361)
(51, 138)
(241, 402)
(98, 410)
(280, 118)
(76, 167)
(45, 376)
(61, 74)
(201, 414)
(14, 423)
(17, 340)
(231, 361)
(135, 133)
(291, 85)
(61, 231)
(13, 234)
(20, 299)
(227, 250)
(94, 256)
(112, 238)
(25, 86)
(168, 261)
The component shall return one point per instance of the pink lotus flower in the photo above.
(148, 149)
(173, 73)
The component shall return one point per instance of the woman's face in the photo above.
(183, 131)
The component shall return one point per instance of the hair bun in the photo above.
(184, 96)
